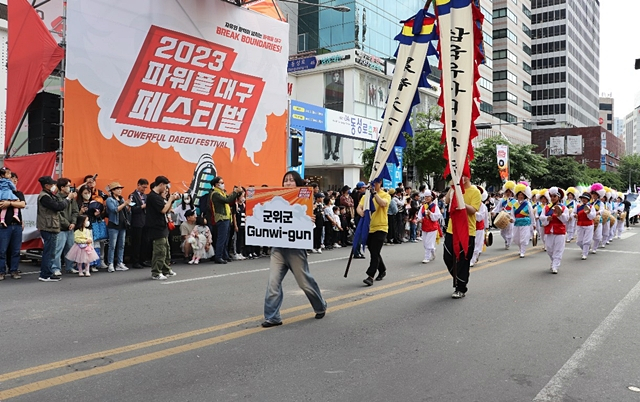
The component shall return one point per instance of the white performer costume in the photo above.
(482, 222)
(429, 217)
(506, 204)
(521, 215)
(584, 215)
(555, 228)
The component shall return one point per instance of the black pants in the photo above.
(329, 237)
(399, 222)
(317, 235)
(461, 277)
(240, 249)
(391, 219)
(140, 246)
(374, 243)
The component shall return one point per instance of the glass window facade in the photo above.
(371, 25)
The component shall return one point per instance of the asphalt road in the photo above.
(521, 334)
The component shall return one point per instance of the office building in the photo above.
(630, 132)
(511, 73)
(605, 115)
(566, 61)
(618, 126)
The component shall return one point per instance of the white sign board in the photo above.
(574, 145)
(351, 126)
(556, 146)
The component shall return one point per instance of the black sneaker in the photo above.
(368, 281)
(457, 295)
(217, 261)
(56, 277)
(268, 324)
(381, 276)
(52, 279)
(320, 316)
(359, 257)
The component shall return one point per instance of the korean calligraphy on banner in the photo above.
(279, 217)
(168, 82)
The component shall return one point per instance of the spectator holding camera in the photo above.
(157, 229)
(68, 217)
(222, 214)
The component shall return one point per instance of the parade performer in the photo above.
(571, 203)
(543, 200)
(429, 219)
(554, 219)
(506, 204)
(606, 215)
(584, 215)
(620, 215)
(613, 220)
(482, 222)
(534, 206)
(597, 192)
(521, 215)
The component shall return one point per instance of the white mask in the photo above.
(86, 196)
(187, 200)
(87, 224)
(54, 189)
(221, 186)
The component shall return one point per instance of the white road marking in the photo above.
(554, 389)
(170, 282)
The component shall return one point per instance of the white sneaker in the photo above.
(471, 264)
(337, 246)
(521, 255)
(170, 273)
(419, 238)
(241, 257)
(593, 251)
(554, 270)
(94, 269)
(57, 272)
(319, 251)
(122, 267)
(102, 265)
(110, 268)
(584, 257)
(425, 261)
(159, 277)
(73, 271)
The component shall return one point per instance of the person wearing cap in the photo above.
(571, 203)
(119, 213)
(157, 229)
(506, 205)
(554, 219)
(472, 201)
(597, 195)
(482, 222)
(222, 215)
(584, 216)
(521, 216)
(68, 217)
(378, 227)
(428, 217)
(48, 223)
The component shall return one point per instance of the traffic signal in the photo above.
(296, 151)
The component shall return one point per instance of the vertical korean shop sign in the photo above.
(503, 161)
(164, 83)
(279, 217)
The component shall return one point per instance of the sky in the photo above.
(619, 47)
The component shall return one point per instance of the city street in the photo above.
(520, 334)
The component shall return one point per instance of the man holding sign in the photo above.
(281, 228)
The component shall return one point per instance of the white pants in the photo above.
(555, 249)
(571, 228)
(429, 243)
(521, 236)
(541, 235)
(507, 234)
(606, 228)
(620, 227)
(597, 237)
(478, 247)
(612, 231)
(585, 237)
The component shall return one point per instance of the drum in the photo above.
(488, 238)
(596, 222)
(502, 220)
(606, 214)
(612, 220)
(623, 216)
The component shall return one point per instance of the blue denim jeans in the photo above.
(10, 243)
(48, 253)
(412, 230)
(283, 260)
(64, 242)
(116, 246)
(222, 241)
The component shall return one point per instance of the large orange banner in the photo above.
(186, 89)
